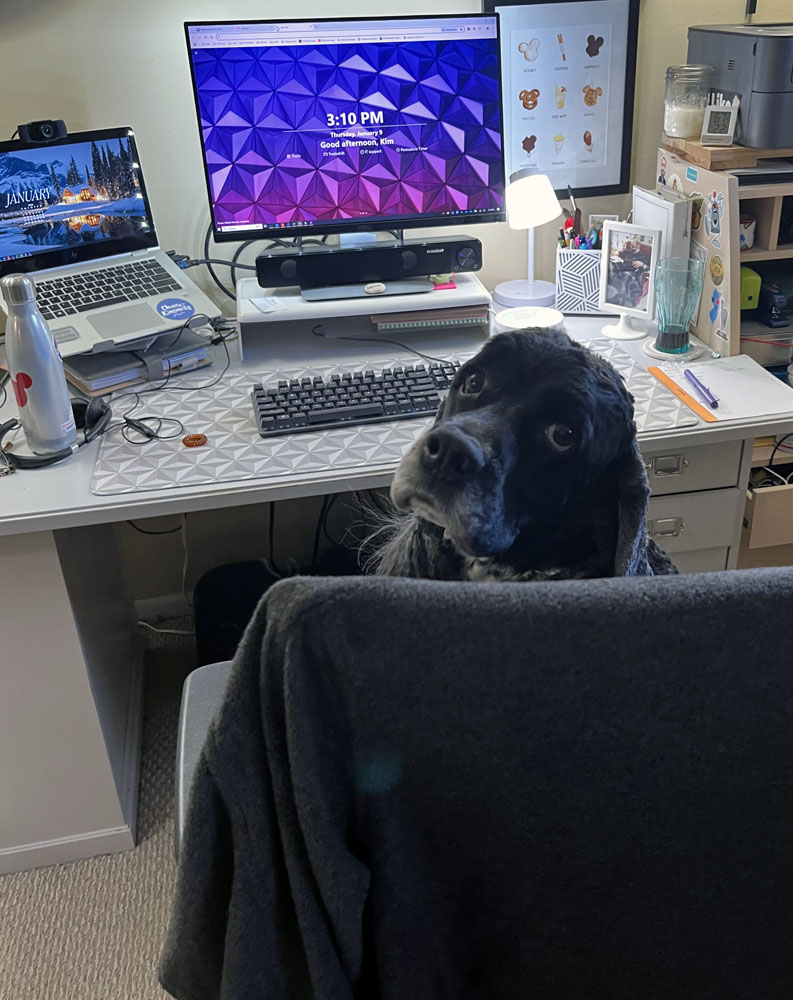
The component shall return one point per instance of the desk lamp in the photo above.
(530, 202)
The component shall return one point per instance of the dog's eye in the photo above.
(561, 436)
(474, 382)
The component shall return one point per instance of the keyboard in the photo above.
(349, 398)
(106, 286)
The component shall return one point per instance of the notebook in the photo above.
(98, 374)
(74, 214)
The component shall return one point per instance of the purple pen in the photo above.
(703, 390)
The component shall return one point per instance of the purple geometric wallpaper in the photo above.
(298, 134)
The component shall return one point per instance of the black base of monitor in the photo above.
(330, 266)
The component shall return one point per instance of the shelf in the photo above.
(721, 157)
(784, 253)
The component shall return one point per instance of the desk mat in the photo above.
(235, 451)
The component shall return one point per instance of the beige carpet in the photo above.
(92, 930)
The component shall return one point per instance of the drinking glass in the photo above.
(678, 284)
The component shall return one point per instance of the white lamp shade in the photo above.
(531, 202)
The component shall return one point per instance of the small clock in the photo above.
(718, 125)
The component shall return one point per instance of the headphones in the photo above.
(91, 417)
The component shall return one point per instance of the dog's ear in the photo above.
(630, 557)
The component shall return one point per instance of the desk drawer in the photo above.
(691, 522)
(684, 470)
(768, 517)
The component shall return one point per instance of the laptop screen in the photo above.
(77, 199)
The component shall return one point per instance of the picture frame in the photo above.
(627, 277)
(568, 73)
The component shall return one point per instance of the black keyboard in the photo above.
(106, 286)
(348, 398)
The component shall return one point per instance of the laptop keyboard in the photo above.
(107, 286)
(352, 397)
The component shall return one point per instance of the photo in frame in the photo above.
(567, 79)
(627, 276)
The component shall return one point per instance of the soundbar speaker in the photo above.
(325, 266)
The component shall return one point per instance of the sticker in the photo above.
(65, 334)
(21, 384)
(675, 183)
(716, 302)
(697, 200)
(662, 171)
(529, 143)
(175, 309)
(717, 269)
(691, 174)
(714, 210)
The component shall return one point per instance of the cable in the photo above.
(166, 631)
(212, 274)
(777, 444)
(237, 254)
(15, 134)
(144, 531)
(185, 561)
(217, 260)
(383, 340)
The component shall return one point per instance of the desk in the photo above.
(72, 660)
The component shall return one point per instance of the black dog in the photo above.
(530, 471)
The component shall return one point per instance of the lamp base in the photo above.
(525, 293)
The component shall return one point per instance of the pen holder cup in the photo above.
(678, 283)
(577, 281)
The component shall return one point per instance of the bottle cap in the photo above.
(17, 288)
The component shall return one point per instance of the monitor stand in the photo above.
(369, 289)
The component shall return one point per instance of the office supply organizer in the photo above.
(235, 451)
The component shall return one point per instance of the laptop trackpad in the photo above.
(131, 319)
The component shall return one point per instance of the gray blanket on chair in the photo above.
(441, 791)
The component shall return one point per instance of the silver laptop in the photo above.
(75, 216)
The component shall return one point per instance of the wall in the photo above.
(97, 63)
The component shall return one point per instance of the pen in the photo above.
(703, 390)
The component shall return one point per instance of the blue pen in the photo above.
(703, 390)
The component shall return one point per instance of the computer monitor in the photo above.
(349, 125)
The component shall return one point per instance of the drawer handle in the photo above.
(666, 527)
(666, 465)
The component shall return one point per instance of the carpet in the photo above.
(92, 930)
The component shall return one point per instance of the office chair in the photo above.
(559, 790)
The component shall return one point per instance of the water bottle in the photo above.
(39, 383)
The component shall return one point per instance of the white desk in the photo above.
(71, 707)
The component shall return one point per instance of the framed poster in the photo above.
(567, 77)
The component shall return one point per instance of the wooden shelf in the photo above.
(784, 253)
(720, 157)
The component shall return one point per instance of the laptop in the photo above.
(74, 215)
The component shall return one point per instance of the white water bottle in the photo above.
(39, 383)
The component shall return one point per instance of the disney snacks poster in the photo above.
(559, 85)
(568, 73)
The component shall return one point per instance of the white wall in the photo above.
(98, 63)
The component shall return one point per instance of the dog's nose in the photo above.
(451, 454)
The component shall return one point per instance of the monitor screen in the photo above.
(327, 126)
(77, 198)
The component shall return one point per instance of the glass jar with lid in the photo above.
(687, 95)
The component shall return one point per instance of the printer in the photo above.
(754, 61)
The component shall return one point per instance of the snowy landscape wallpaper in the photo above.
(64, 196)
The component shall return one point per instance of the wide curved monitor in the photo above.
(349, 125)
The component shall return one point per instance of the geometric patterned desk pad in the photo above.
(235, 451)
